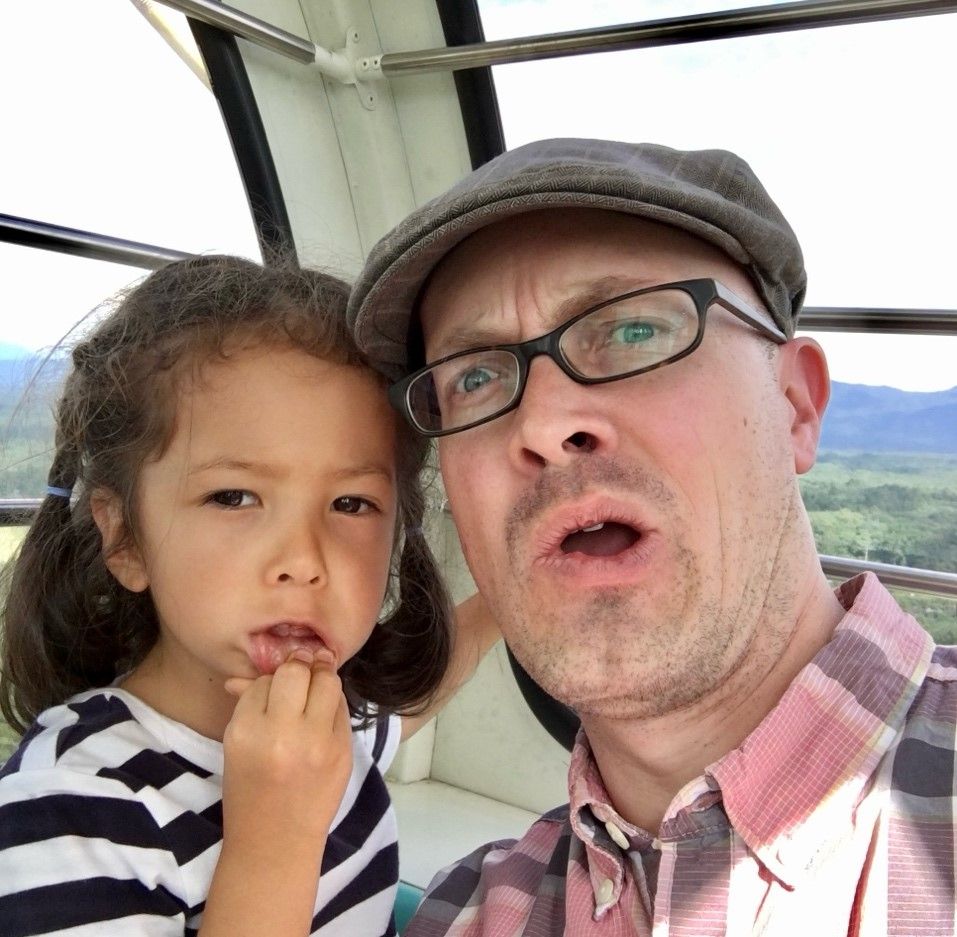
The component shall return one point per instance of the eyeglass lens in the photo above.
(623, 337)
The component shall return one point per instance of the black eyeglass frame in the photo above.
(705, 292)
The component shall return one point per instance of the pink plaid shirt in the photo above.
(835, 816)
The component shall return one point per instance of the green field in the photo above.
(890, 508)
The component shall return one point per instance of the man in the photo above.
(623, 412)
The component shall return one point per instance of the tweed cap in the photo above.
(712, 194)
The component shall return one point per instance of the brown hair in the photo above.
(68, 625)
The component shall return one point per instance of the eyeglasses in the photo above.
(618, 338)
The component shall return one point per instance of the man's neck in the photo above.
(644, 763)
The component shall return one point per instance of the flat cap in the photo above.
(712, 194)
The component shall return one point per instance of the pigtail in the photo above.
(62, 610)
(400, 667)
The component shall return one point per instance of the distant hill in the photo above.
(17, 371)
(884, 419)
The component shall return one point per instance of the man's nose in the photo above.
(558, 420)
(298, 557)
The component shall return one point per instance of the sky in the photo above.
(849, 128)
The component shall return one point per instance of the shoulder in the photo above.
(95, 803)
(499, 882)
(107, 734)
(81, 734)
(923, 758)
(90, 769)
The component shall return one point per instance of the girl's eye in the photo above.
(352, 504)
(233, 498)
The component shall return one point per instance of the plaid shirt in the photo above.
(835, 816)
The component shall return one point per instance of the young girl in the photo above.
(230, 502)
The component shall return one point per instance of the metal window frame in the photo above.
(43, 235)
(702, 27)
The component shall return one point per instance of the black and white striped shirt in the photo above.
(111, 823)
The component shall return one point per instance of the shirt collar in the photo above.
(590, 812)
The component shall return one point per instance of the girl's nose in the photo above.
(299, 559)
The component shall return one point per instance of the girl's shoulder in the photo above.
(80, 725)
(94, 801)
(107, 735)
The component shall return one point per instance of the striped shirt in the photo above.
(111, 823)
(836, 815)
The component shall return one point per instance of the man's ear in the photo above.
(121, 555)
(807, 386)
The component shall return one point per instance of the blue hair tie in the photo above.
(60, 492)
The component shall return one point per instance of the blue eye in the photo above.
(474, 379)
(633, 333)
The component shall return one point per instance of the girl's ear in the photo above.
(807, 386)
(121, 555)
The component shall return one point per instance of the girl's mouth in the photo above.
(272, 646)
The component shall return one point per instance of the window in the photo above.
(109, 132)
(845, 126)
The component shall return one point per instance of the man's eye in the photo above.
(233, 498)
(474, 379)
(632, 332)
(352, 504)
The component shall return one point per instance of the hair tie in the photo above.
(60, 492)
(412, 530)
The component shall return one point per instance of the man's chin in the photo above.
(625, 689)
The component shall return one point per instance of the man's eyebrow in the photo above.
(595, 292)
(467, 337)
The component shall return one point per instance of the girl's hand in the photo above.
(288, 756)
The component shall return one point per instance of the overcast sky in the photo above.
(850, 129)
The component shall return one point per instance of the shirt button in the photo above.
(605, 890)
(619, 838)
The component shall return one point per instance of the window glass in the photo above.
(49, 296)
(111, 131)
(108, 130)
(884, 487)
(846, 127)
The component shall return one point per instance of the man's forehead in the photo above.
(569, 259)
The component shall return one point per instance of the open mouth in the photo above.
(605, 538)
(272, 646)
